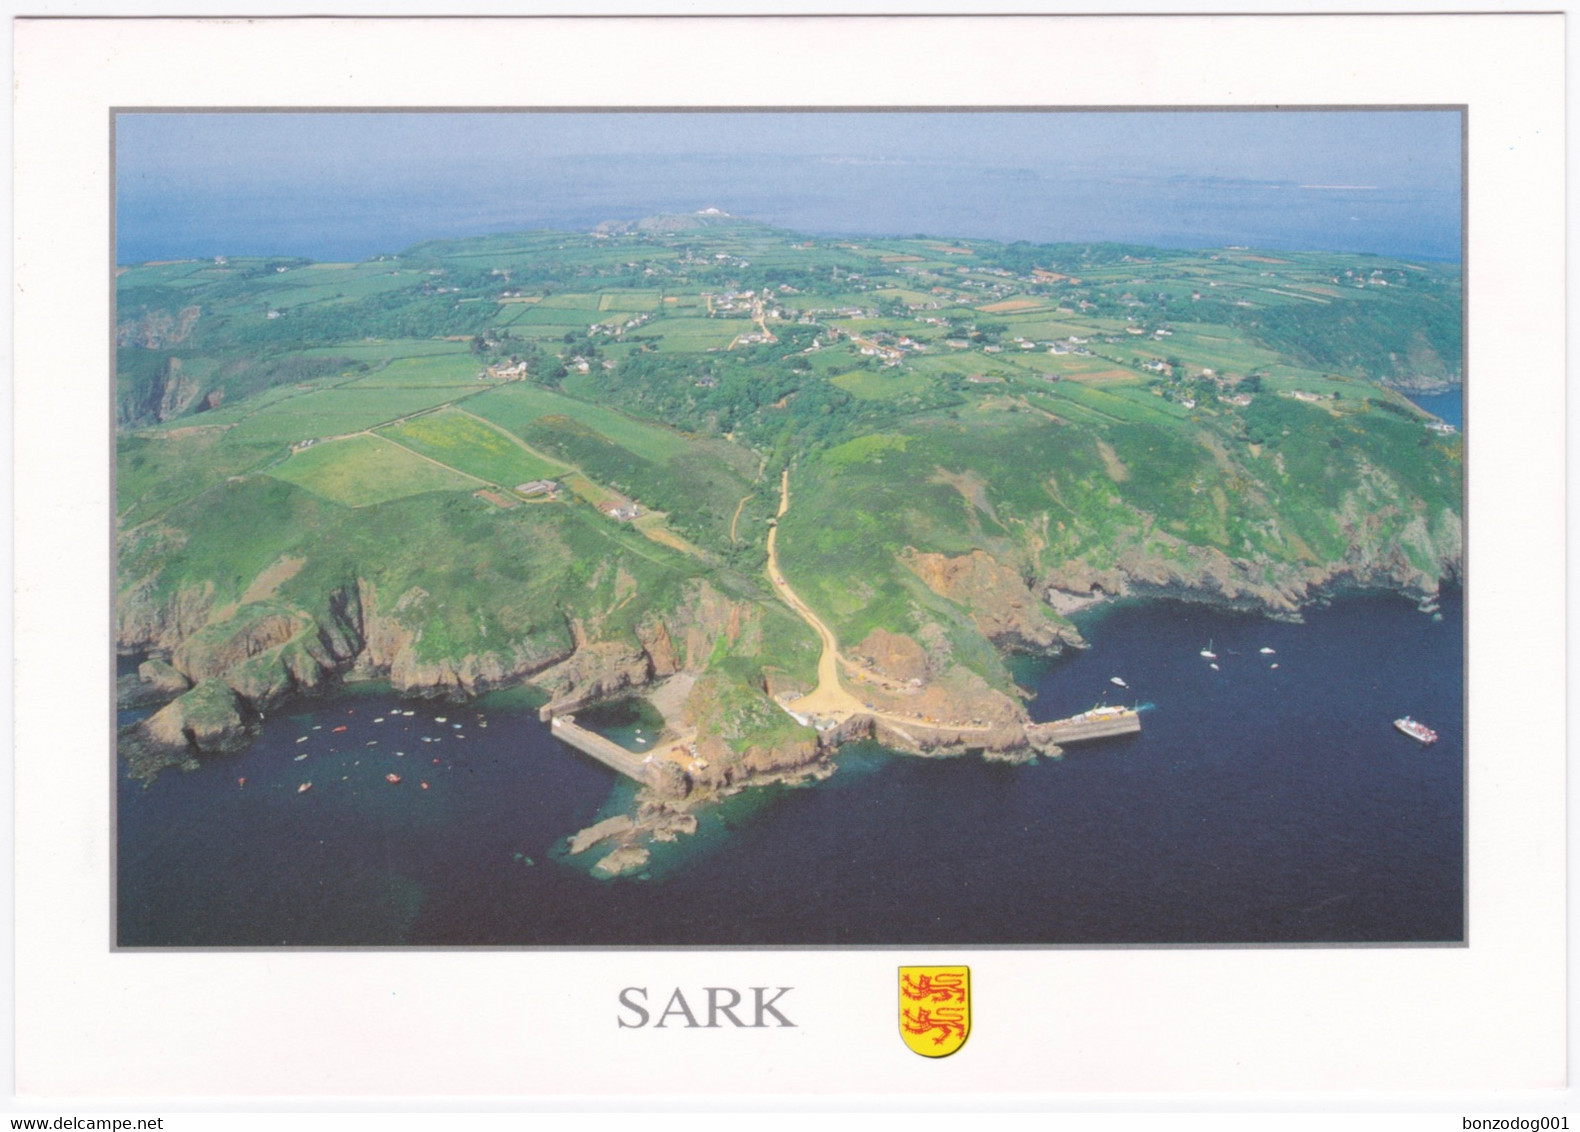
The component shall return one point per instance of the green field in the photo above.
(573, 302)
(384, 350)
(335, 412)
(462, 441)
(632, 301)
(517, 405)
(439, 370)
(881, 385)
(367, 469)
(697, 334)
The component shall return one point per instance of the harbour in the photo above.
(1248, 809)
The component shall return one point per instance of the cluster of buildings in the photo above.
(514, 372)
(623, 511)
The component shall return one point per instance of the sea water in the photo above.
(1447, 406)
(1259, 804)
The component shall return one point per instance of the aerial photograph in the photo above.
(788, 529)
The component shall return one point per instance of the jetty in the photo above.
(1099, 723)
(606, 751)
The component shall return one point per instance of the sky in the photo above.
(351, 185)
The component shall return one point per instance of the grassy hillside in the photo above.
(317, 463)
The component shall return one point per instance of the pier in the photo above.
(1099, 723)
(606, 751)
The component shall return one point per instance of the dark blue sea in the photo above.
(1448, 406)
(1260, 804)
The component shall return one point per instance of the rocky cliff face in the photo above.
(1003, 608)
(1415, 561)
(157, 329)
(221, 665)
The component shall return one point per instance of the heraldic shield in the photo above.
(935, 1009)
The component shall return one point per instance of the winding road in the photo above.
(830, 698)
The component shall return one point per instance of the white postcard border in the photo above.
(92, 1022)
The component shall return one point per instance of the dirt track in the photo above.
(830, 698)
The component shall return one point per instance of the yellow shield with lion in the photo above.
(935, 1009)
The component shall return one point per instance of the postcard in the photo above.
(640, 564)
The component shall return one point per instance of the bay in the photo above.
(1447, 406)
(1258, 805)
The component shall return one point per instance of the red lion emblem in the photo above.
(949, 1022)
(942, 988)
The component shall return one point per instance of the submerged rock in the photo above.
(625, 859)
(602, 831)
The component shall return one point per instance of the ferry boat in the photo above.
(1101, 711)
(1416, 730)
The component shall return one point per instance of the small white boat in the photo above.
(1208, 653)
(299, 758)
(1265, 651)
(1418, 731)
(1272, 666)
(304, 788)
(1214, 667)
(441, 719)
(303, 739)
(380, 719)
(1117, 680)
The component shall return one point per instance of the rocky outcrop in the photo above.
(220, 646)
(392, 649)
(209, 719)
(680, 641)
(893, 655)
(146, 622)
(1003, 608)
(181, 391)
(654, 820)
(654, 635)
(627, 858)
(618, 826)
(161, 678)
(595, 671)
(1422, 383)
(157, 329)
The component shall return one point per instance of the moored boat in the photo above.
(1208, 653)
